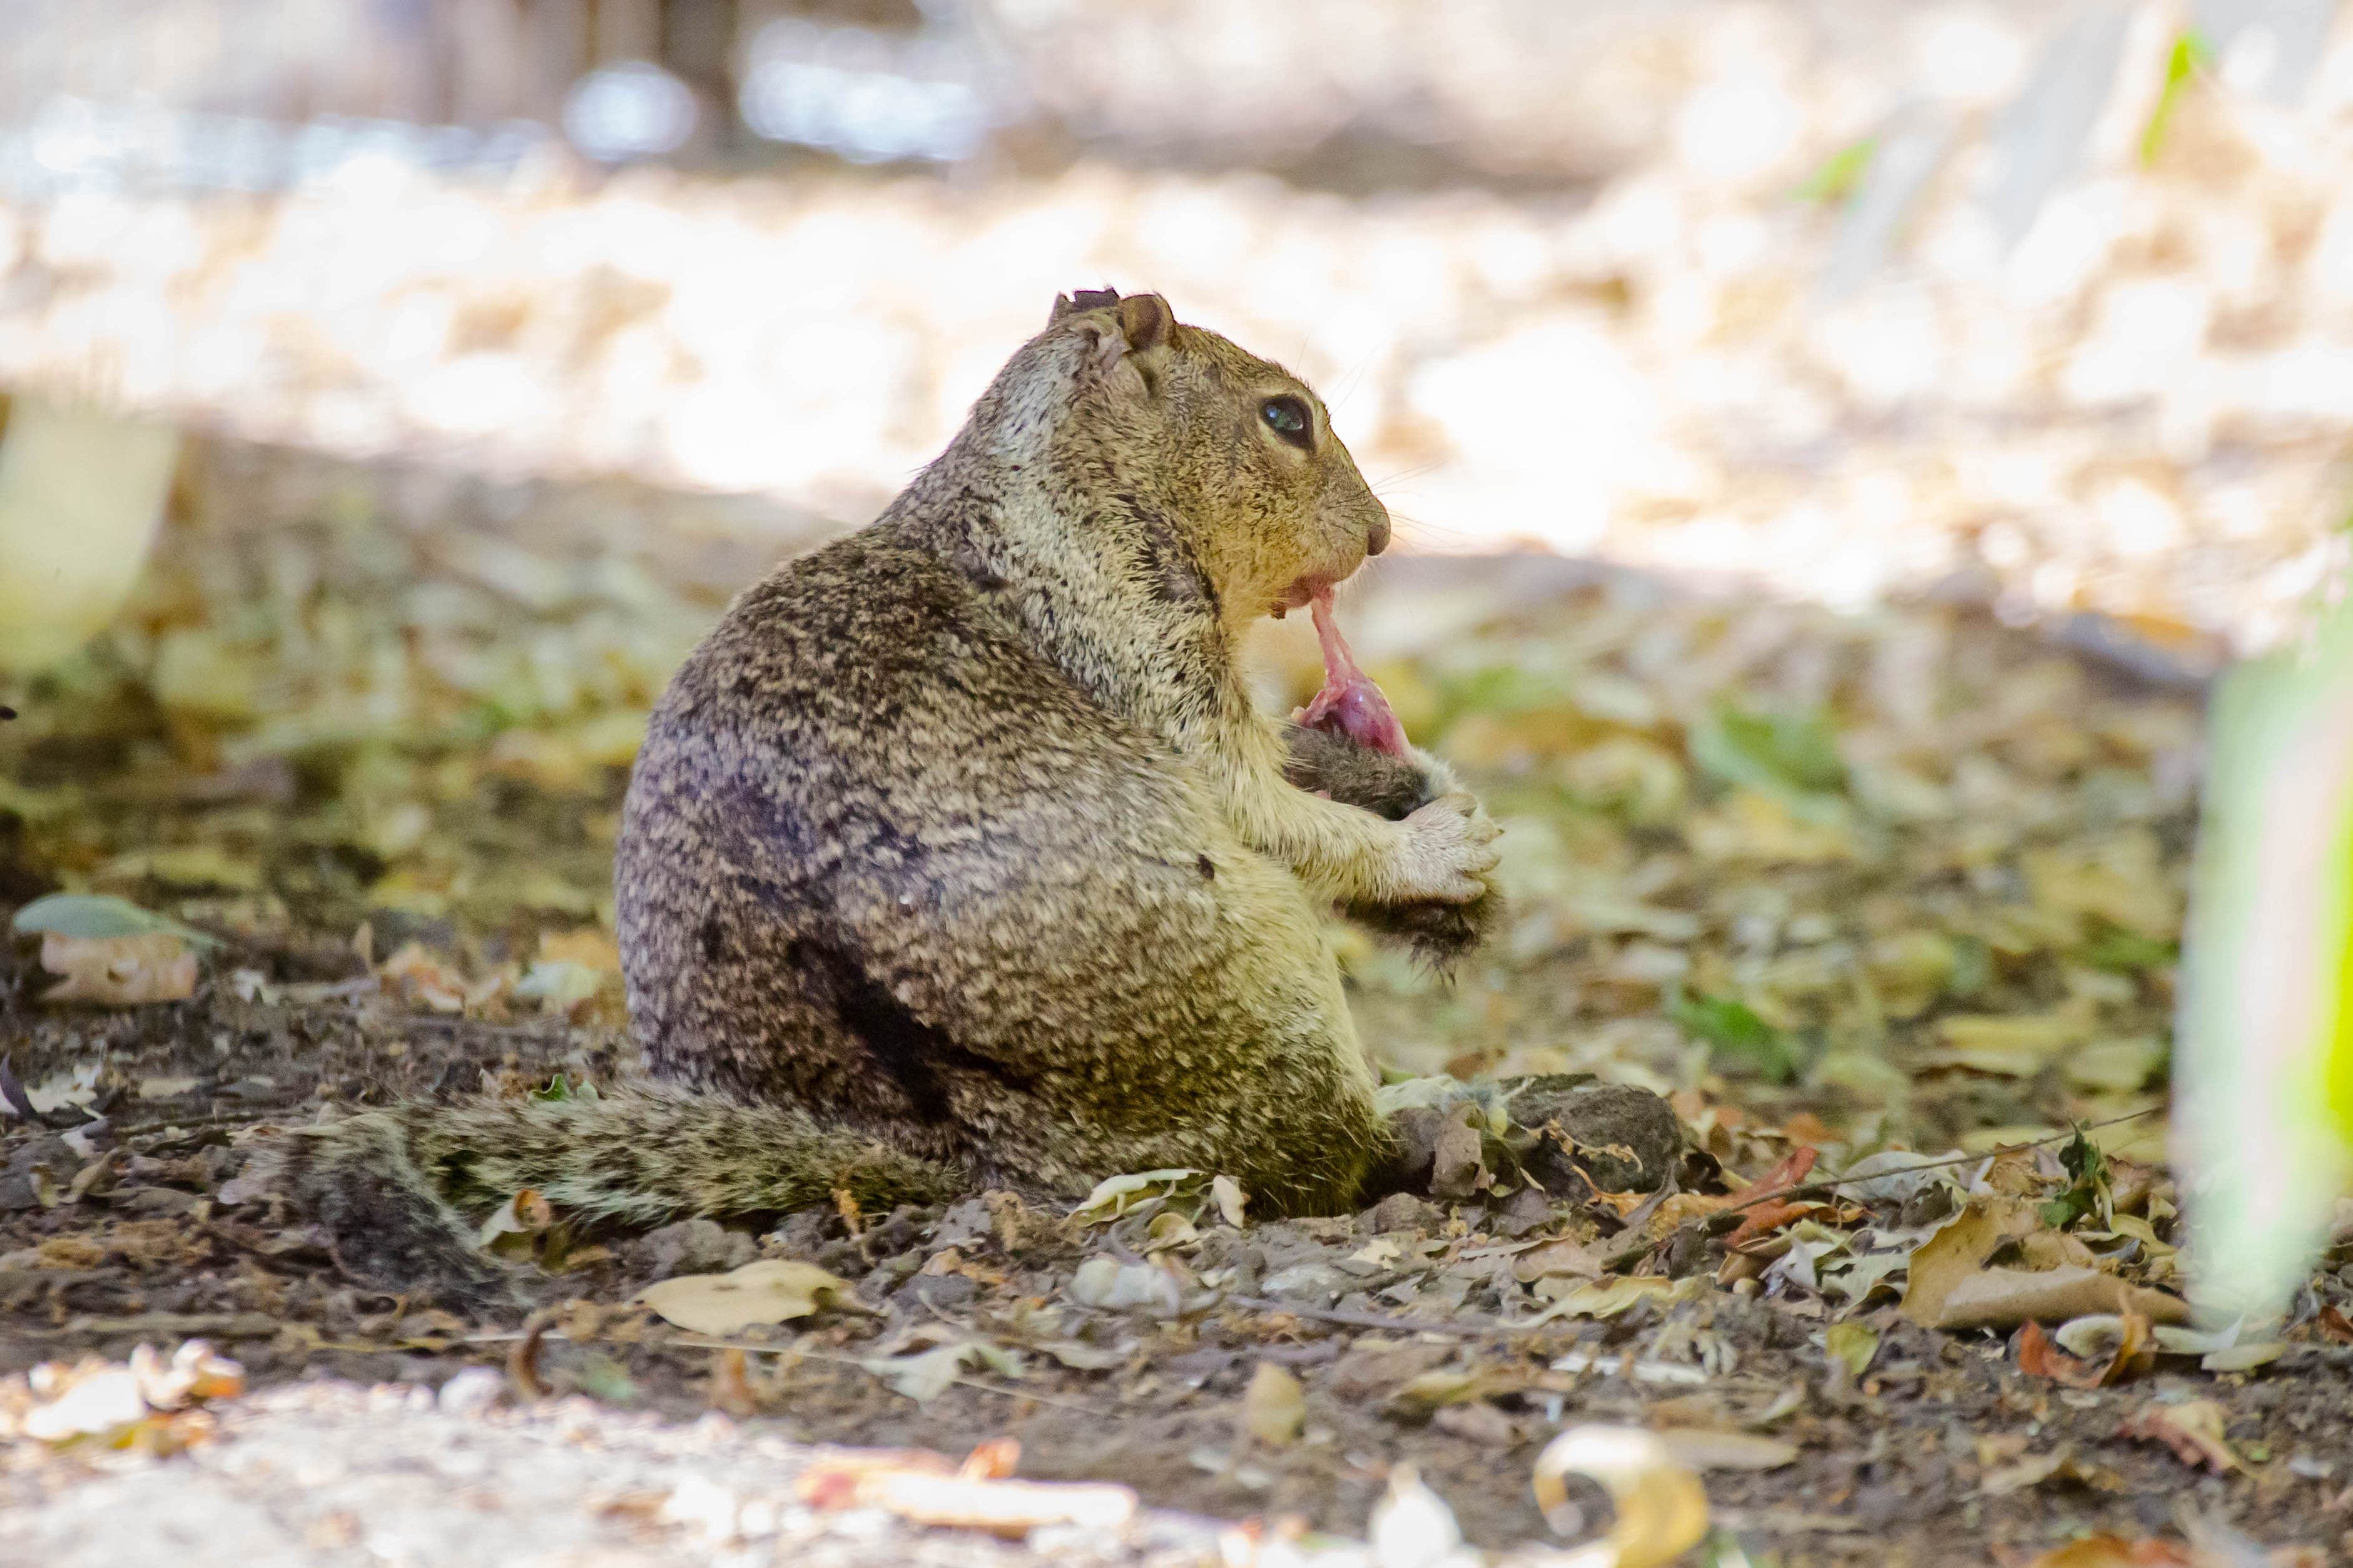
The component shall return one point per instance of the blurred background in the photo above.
(1850, 297)
(1840, 366)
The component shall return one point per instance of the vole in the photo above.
(958, 854)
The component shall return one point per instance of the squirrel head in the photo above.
(1235, 452)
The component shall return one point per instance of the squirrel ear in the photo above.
(1147, 321)
(1085, 299)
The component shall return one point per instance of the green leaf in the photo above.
(1732, 1028)
(1972, 967)
(95, 914)
(1497, 689)
(1835, 177)
(2128, 952)
(1783, 753)
(561, 1088)
(2088, 1194)
(2190, 54)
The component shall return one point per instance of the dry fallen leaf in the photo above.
(1105, 1282)
(923, 1487)
(1960, 1246)
(773, 1291)
(1608, 1297)
(143, 1403)
(2005, 1297)
(416, 976)
(2060, 1464)
(1852, 1344)
(1273, 1408)
(2193, 1430)
(2127, 1351)
(193, 1371)
(1706, 1448)
(1573, 1259)
(511, 1227)
(119, 971)
(1412, 1526)
(1661, 1509)
(1227, 1194)
(925, 1376)
(2114, 1551)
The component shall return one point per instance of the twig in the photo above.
(541, 1033)
(1474, 1328)
(750, 1348)
(1811, 1189)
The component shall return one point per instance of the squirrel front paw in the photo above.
(1450, 852)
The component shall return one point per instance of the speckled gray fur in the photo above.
(956, 854)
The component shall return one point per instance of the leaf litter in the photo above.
(1891, 963)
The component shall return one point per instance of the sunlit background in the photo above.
(2049, 304)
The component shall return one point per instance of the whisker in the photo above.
(1420, 532)
(1415, 472)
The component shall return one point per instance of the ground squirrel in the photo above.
(958, 853)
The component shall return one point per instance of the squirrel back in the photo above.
(958, 854)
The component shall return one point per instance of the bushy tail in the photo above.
(395, 1188)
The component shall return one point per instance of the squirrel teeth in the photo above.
(1350, 705)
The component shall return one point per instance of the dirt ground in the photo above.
(1910, 880)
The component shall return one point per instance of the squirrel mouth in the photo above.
(1303, 591)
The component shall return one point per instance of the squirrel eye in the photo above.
(1288, 417)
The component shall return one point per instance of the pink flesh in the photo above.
(1349, 704)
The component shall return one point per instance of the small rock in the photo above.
(1626, 1138)
(1479, 1421)
(1455, 1166)
(1417, 1129)
(1523, 1211)
(1320, 1283)
(946, 1293)
(1369, 1372)
(964, 1224)
(1113, 1286)
(471, 1391)
(1400, 1211)
(692, 1247)
(803, 1234)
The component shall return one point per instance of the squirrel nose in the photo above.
(1376, 538)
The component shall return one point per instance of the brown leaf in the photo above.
(1703, 1449)
(119, 971)
(1957, 1250)
(2005, 1297)
(1563, 1256)
(2060, 1464)
(523, 1371)
(1370, 1371)
(772, 1290)
(416, 976)
(1770, 1215)
(2038, 1357)
(1478, 1422)
(915, 1487)
(731, 1385)
(2113, 1552)
(2193, 1431)
(1788, 1173)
